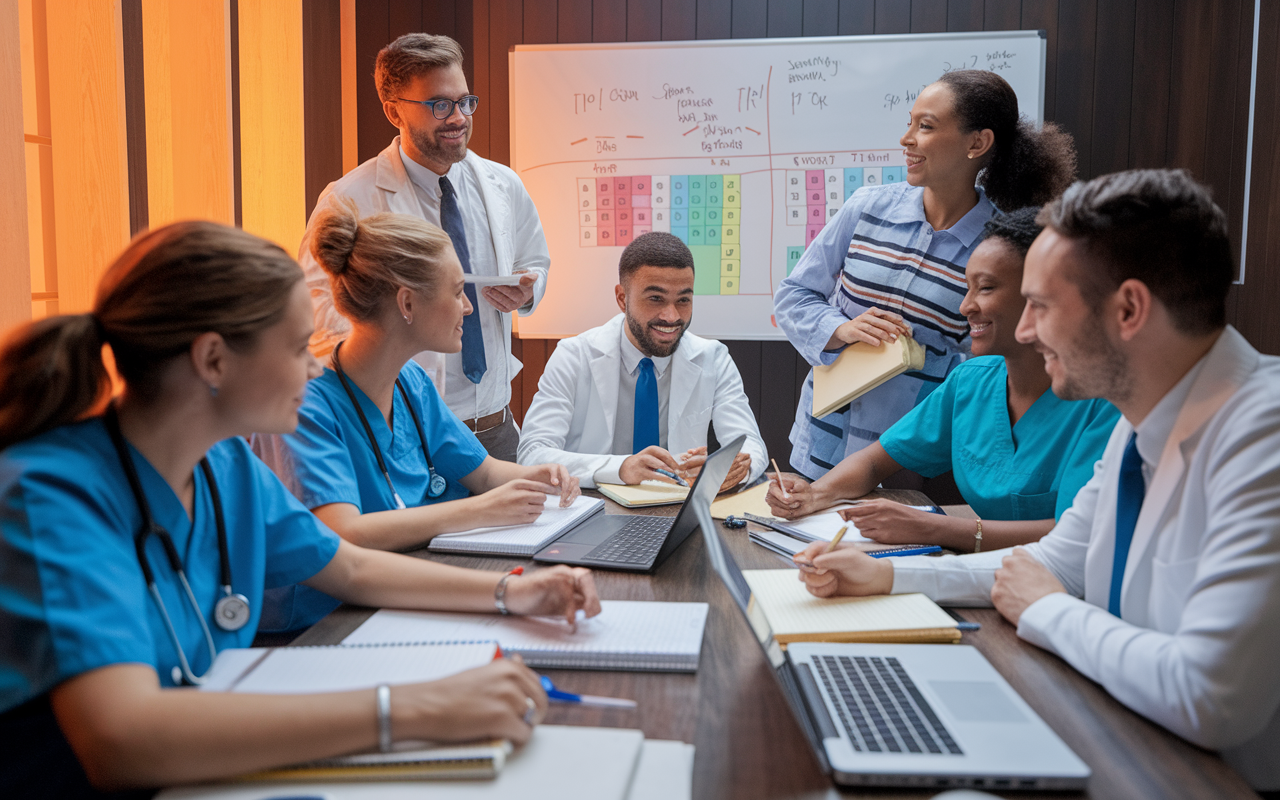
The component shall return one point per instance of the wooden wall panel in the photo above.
(573, 20)
(1113, 86)
(1148, 133)
(1073, 107)
(679, 20)
(821, 17)
(644, 20)
(609, 20)
(786, 18)
(87, 127)
(322, 90)
(15, 300)
(750, 19)
(372, 28)
(858, 17)
(893, 17)
(928, 16)
(540, 22)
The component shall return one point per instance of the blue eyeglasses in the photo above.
(443, 109)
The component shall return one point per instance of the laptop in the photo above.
(917, 715)
(640, 542)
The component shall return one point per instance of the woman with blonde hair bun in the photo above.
(137, 536)
(377, 455)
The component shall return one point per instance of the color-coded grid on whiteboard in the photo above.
(702, 210)
(814, 196)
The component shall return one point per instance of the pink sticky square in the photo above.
(640, 200)
(640, 184)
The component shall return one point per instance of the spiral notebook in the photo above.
(335, 668)
(521, 540)
(647, 636)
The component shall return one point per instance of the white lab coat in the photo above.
(1197, 646)
(571, 420)
(382, 184)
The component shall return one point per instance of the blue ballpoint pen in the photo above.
(557, 696)
(672, 476)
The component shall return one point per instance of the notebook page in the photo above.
(825, 525)
(623, 627)
(304, 670)
(554, 519)
(792, 610)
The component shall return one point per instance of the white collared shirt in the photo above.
(469, 400)
(628, 374)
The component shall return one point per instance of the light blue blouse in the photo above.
(1031, 470)
(329, 460)
(72, 595)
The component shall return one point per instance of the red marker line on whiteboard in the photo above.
(580, 141)
(691, 130)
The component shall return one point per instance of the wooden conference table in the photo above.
(748, 744)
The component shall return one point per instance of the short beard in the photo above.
(1104, 370)
(432, 150)
(647, 345)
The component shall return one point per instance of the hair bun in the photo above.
(334, 238)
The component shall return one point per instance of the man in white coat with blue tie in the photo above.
(630, 400)
(1162, 582)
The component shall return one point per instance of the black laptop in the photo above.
(639, 542)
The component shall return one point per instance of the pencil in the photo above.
(777, 473)
(835, 540)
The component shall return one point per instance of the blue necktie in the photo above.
(473, 362)
(645, 432)
(1129, 496)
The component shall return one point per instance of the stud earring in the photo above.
(406, 320)
(971, 155)
(213, 391)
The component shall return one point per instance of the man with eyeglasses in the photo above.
(428, 172)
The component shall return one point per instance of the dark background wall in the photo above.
(1138, 83)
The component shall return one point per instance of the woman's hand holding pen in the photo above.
(844, 571)
(791, 496)
(873, 326)
(888, 522)
(517, 502)
(559, 478)
(488, 702)
(558, 591)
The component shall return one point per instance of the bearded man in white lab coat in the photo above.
(1162, 582)
(630, 401)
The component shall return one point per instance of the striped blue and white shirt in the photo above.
(879, 250)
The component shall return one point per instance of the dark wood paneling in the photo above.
(893, 17)
(965, 15)
(373, 132)
(1002, 15)
(644, 20)
(1042, 15)
(506, 28)
(135, 114)
(440, 18)
(821, 18)
(679, 20)
(541, 21)
(750, 19)
(322, 95)
(1113, 86)
(857, 17)
(609, 20)
(928, 16)
(1073, 109)
(574, 21)
(1188, 131)
(404, 16)
(786, 18)
(1152, 67)
(714, 18)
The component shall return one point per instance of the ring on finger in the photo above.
(531, 710)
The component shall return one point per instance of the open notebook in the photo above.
(521, 540)
(797, 616)
(308, 670)
(626, 635)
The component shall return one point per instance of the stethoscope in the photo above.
(436, 485)
(231, 612)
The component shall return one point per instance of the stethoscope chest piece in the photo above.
(437, 485)
(231, 613)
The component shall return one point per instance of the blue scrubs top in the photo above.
(72, 595)
(1031, 470)
(329, 460)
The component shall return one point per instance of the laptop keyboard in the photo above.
(637, 542)
(881, 708)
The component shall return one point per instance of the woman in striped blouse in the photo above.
(891, 262)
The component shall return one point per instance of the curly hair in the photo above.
(1019, 228)
(1026, 167)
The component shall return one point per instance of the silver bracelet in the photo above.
(384, 718)
(977, 538)
(500, 591)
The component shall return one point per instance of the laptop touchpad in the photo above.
(977, 701)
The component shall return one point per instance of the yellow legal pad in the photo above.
(644, 494)
(861, 368)
(797, 616)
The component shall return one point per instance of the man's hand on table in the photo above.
(1020, 581)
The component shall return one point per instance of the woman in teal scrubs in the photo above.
(1018, 453)
(377, 455)
(107, 518)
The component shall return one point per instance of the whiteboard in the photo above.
(743, 148)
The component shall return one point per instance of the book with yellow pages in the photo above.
(649, 493)
(797, 616)
(861, 368)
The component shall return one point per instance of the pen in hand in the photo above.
(777, 474)
(835, 540)
(668, 473)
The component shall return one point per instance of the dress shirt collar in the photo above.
(1154, 430)
(966, 231)
(427, 181)
(631, 355)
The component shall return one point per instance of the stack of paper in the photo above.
(521, 540)
(628, 635)
(861, 368)
(797, 616)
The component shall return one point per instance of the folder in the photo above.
(861, 368)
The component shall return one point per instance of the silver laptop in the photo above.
(921, 715)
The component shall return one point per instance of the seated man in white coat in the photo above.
(631, 399)
(1162, 582)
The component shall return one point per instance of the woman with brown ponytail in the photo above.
(377, 455)
(892, 262)
(137, 536)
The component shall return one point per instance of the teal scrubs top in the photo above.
(329, 460)
(1031, 470)
(72, 595)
